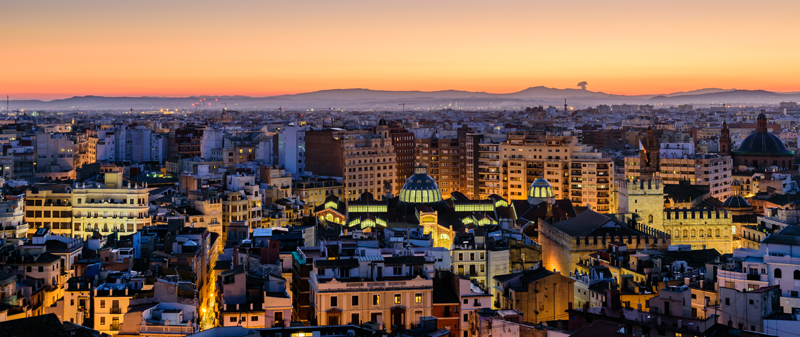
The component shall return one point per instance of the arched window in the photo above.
(797, 274)
(685, 233)
(694, 233)
(702, 233)
(777, 273)
(650, 218)
(717, 233)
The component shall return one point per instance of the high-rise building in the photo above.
(575, 171)
(484, 171)
(365, 160)
(443, 157)
(295, 150)
(403, 143)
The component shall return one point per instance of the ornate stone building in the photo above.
(700, 228)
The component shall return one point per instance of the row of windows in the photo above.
(376, 300)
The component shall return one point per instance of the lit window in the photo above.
(418, 298)
(397, 299)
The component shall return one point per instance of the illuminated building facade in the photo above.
(573, 170)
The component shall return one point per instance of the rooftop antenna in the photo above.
(565, 107)
(6, 103)
(404, 107)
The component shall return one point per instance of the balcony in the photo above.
(166, 329)
(116, 311)
(753, 277)
(114, 327)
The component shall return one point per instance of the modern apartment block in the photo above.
(365, 160)
(575, 171)
(709, 170)
(444, 159)
(484, 167)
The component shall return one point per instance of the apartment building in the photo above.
(314, 191)
(403, 142)
(484, 167)
(56, 156)
(444, 159)
(110, 302)
(241, 202)
(12, 219)
(392, 291)
(575, 171)
(365, 160)
(112, 208)
(709, 170)
(49, 206)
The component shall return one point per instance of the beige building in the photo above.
(444, 159)
(566, 243)
(314, 191)
(644, 198)
(484, 166)
(112, 208)
(575, 171)
(111, 303)
(705, 170)
(12, 219)
(391, 291)
(365, 160)
(700, 228)
(49, 206)
(208, 215)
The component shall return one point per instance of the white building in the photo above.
(295, 149)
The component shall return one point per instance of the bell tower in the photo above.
(725, 140)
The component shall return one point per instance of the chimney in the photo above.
(686, 281)
(237, 306)
(701, 284)
(251, 306)
(126, 291)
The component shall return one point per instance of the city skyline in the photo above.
(257, 49)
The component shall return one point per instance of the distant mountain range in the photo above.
(367, 99)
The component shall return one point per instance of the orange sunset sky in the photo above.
(55, 49)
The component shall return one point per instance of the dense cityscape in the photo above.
(549, 221)
(356, 168)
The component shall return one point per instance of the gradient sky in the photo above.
(57, 48)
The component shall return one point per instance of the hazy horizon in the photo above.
(57, 49)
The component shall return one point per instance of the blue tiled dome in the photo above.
(764, 144)
(735, 201)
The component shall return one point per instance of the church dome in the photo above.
(735, 201)
(420, 188)
(762, 143)
(540, 191)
